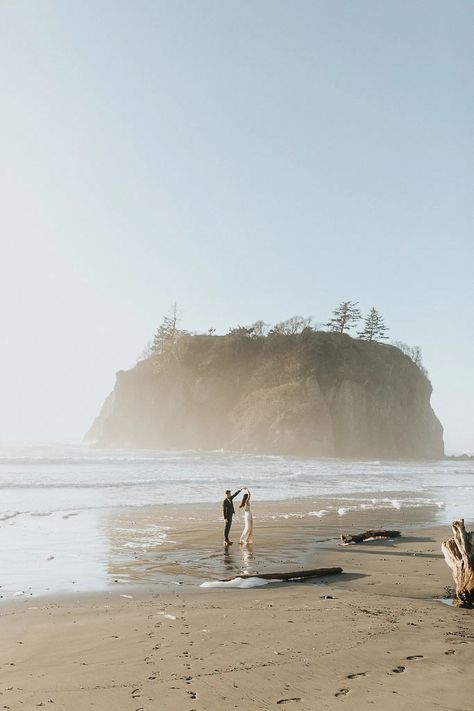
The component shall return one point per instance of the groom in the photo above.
(228, 509)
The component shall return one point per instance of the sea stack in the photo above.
(309, 394)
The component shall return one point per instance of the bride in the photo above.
(247, 534)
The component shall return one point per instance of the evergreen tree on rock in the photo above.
(168, 339)
(374, 327)
(344, 317)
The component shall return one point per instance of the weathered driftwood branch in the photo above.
(367, 536)
(459, 555)
(295, 575)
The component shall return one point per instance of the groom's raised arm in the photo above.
(236, 493)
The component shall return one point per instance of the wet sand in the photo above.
(288, 535)
(372, 637)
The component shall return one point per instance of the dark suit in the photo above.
(228, 511)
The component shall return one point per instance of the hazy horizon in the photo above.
(247, 160)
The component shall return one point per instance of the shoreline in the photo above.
(159, 546)
(420, 541)
(371, 637)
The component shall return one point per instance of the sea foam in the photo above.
(5, 515)
(238, 583)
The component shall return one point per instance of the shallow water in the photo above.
(67, 518)
(449, 601)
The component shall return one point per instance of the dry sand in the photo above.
(371, 638)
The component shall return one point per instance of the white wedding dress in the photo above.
(247, 533)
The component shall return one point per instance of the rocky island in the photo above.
(313, 393)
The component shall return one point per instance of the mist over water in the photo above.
(63, 508)
(53, 478)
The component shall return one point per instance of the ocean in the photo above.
(58, 503)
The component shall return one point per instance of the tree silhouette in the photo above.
(346, 315)
(374, 327)
(168, 338)
(255, 330)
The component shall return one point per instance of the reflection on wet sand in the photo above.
(229, 560)
(169, 545)
(239, 561)
(247, 558)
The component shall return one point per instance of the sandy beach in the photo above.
(372, 637)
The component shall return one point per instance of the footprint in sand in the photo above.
(296, 699)
(398, 670)
(450, 651)
(354, 676)
(415, 656)
(341, 692)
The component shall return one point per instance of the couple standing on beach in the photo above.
(228, 510)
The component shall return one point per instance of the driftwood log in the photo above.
(295, 575)
(371, 535)
(458, 553)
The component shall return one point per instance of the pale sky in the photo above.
(251, 159)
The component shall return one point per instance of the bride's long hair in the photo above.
(244, 501)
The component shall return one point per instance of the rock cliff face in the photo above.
(312, 394)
